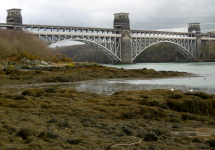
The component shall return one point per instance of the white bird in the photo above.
(172, 89)
(191, 90)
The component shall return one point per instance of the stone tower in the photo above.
(14, 18)
(196, 27)
(121, 21)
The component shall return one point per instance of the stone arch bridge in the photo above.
(120, 44)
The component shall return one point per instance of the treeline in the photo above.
(157, 53)
(13, 43)
(161, 52)
(209, 50)
(81, 53)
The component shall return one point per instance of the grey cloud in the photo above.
(99, 13)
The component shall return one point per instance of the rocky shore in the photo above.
(56, 118)
(64, 118)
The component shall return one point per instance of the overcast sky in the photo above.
(172, 15)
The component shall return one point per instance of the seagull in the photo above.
(191, 90)
(172, 89)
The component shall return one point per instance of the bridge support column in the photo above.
(196, 27)
(126, 53)
(121, 21)
(198, 46)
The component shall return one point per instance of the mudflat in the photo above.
(59, 118)
(72, 74)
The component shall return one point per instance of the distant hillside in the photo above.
(157, 53)
(81, 53)
(209, 50)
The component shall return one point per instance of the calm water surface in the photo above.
(204, 80)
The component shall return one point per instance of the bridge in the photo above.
(120, 44)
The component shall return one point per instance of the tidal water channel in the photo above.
(203, 80)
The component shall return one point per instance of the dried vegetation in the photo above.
(57, 118)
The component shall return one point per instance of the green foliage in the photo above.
(156, 53)
(82, 53)
(159, 53)
(209, 50)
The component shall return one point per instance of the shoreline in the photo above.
(65, 118)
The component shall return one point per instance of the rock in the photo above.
(23, 60)
(210, 142)
(141, 134)
(198, 140)
(50, 63)
(150, 136)
(35, 62)
(87, 124)
(153, 147)
(127, 130)
(176, 126)
(43, 63)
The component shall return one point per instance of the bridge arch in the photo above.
(100, 47)
(109, 44)
(186, 53)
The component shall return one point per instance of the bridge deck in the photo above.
(74, 34)
(109, 32)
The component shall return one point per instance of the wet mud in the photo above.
(63, 74)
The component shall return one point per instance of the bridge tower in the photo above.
(196, 27)
(121, 21)
(14, 18)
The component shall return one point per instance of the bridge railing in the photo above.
(70, 29)
(162, 33)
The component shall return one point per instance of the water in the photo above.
(204, 80)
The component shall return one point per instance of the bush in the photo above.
(21, 43)
(62, 58)
(27, 56)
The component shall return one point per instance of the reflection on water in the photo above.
(204, 81)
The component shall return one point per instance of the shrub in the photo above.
(21, 43)
(27, 56)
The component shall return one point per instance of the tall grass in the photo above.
(12, 43)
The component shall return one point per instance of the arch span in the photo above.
(110, 46)
(186, 53)
(100, 47)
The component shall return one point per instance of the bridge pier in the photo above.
(196, 27)
(121, 21)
